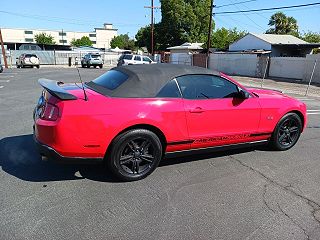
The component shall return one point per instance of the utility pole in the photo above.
(210, 28)
(152, 25)
(3, 51)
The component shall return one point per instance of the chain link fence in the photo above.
(61, 57)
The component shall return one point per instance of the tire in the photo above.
(100, 66)
(141, 152)
(18, 66)
(38, 66)
(88, 66)
(287, 132)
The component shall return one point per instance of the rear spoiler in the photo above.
(54, 89)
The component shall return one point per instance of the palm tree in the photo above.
(281, 24)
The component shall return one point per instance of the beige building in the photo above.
(100, 37)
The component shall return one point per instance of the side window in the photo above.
(137, 58)
(146, 59)
(206, 87)
(170, 90)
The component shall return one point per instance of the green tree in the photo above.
(282, 24)
(43, 38)
(311, 37)
(183, 21)
(143, 38)
(122, 41)
(84, 41)
(222, 38)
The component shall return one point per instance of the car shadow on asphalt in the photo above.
(19, 157)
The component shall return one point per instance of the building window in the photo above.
(94, 42)
(92, 35)
(28, 39)
(63, 41)
(62, 34)
(28, 32)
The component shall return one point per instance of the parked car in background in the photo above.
(92, 59)
(30, 60)
(131, 59)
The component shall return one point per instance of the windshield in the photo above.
(127, 57)
(30, 55)
(95, 56)
(111, 79)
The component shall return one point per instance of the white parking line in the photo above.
(313, 110)
(4, 80)
(10, 76)
(1, 86)
(313, 113)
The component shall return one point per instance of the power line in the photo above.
(231, 4)
(257, 13)
(268, 9)
(249, 18)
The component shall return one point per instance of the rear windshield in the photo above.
(111, 79)
(95, 56)
(30, 55)
(128, 57)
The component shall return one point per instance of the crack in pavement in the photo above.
(294, 222)
(313, 204)
(265, 199)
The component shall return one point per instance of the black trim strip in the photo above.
(191, 141)
(180, 142)
(260, 134)
(213, 149)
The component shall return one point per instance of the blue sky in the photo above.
(129, 15)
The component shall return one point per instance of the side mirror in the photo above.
(243, 94)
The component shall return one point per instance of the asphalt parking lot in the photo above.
(245, 194)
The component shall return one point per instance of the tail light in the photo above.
(49, 112)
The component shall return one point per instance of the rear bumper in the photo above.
(95, 63)
(48, 153)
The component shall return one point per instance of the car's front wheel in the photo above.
(134, 154)
(287, 132)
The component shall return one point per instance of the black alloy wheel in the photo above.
(287, 132)
(135, 154)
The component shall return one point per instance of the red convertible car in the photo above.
(132, 116)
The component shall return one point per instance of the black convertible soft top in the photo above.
(146, 80)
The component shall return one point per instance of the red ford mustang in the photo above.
(134, 115)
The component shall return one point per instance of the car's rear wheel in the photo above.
(134, 154)
(88, 65)
(38, 66)
(287, 132)
(100, 66)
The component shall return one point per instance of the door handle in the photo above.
(197, 110)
